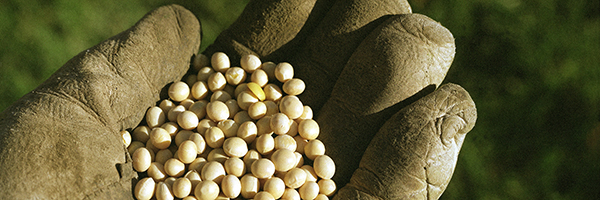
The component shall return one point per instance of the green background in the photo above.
(532, 68)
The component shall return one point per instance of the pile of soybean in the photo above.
(236, 133)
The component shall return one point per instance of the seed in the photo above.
(206, 190)
(235, 147)
(250, 62)
(280, 123)
(229, 128)
(160, 138)
(220, 95)
(231, 186)
(182, 187)
(204, 125)
(324, 167)
(218, 155)
(285, 142)
(259, 77)
(257, 110)
(171, 128)
(314, 148)
(294, 86)
(263, 168)
(166, 105)
(186, 103)
(291, 106)
(197, 164)
(263, 195)
(217, 111)
(310, 173)
(235, 75)
(249, 158)
(199, 141)
(290, 194)
(141, 133)
(187, 120)
(141, 159)
(174, 167)
(232, 106)
(204, 73)
(216, 81)
(134, 146)
(275, 186)
(309, 190)
(214, 137)
(284, 72)
(257, 90)
(194, 178)
(293, 129)
(179, 91)
(220, 62)
(265, 144)
(126, 138)
(144, 189)
(241, 117)
(263, 125)
(182, 135)
(245, 99)
(321, 197)
(235, 166)
(187, 152)
(284, 160)
(163, 155)
(327, 187)
(155, 117)
(308, 129)
(269, 68)
(272, 92)
(174, 112)
(247, 131)
(250, 186)
(295, 178)
(213, 171)
(163, 192)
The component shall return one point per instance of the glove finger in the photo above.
(407, 56)
(414, 154)
(65, 133)
(338, 34)
(263, 27)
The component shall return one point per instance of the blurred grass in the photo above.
(532, 68)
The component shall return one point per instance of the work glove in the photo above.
(370, 69)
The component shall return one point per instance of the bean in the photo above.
(144, 189)
(182, 187)
(179, 91)
(206, 190)
(231, 186)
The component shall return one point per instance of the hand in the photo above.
(370, 68)
(62, 141)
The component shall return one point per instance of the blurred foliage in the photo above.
(532, 68)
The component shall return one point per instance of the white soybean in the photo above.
(141, 159)
(217, 111)
(220, 96)
(155, 117)
(187, 151)
(257, 110)
(216, 81)
(204, 125)
(204, 73)
(214, 137)
(314, 148)
(144, 189)
(182, 135)
(197, 164)
(187, 120)
(174, 168)
(166, 105)
(310, 173)
(235, 166)
(263, 168)
(284, 72)
(308, 129)
(134, 146)
(272, 92)
(231, 186)
(250, 62)
(280, 123)
(218, 155)
(324, 167)
(284, 160)
(213, 171)
(172, 128)
(309, 190)
(241, 117)
(259, 77)
(232, 106)
(186, 103)
(163, 192)
(295, 178)
(250, 186)
(290, 194)
(182, 187)
(247, 131)
(245, 99)
(265, 144)
(229, 127)
(263, 125)
(235, 75)
(294, 86)
(263, 195)
(235, 147)
(126, 136)
(174, 112)
(141, 133)
(327, 187)
(194, 178)
(179, 91)
(206, 190)
(291, 106)
(199, 141)
(285, 142)
(293, 129)
(249, 158)
(275, 186)
(220, 62)
(269, 68)
(160, 138)
(321, 197)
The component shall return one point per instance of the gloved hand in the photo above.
(370, 69)
(62, 141)
(363, 67)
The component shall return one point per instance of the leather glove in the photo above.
(371, 68)
(62, 141)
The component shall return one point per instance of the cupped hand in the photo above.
(371, 68)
